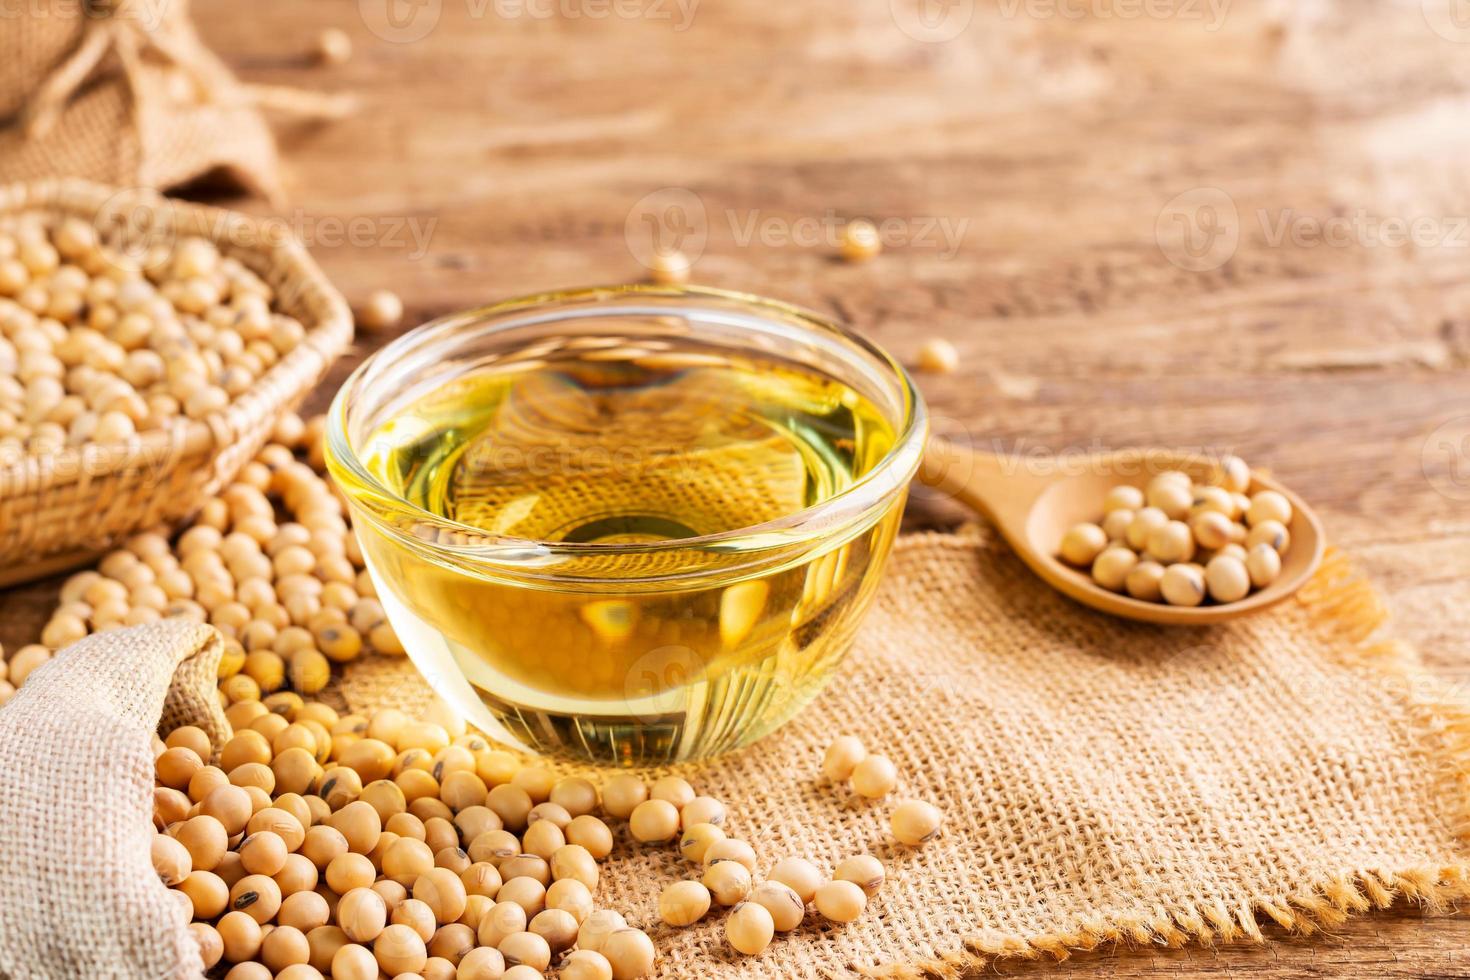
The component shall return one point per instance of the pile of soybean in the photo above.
(1180, 542)
(321, 844)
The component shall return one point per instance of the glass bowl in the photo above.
(632, 524)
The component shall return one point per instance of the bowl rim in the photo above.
(888, 476)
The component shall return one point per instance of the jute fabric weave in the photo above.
(124, 93)
(1102, 781)
(78, 893)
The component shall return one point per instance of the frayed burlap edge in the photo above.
(1340, 602)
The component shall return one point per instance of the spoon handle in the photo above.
(1001, 487)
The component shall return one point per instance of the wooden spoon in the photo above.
(1034, 501)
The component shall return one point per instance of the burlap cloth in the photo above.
(78, 893)
(1102, 781)
(125, 92)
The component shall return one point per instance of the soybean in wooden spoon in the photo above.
(1033, 502)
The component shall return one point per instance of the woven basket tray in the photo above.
(59, 509)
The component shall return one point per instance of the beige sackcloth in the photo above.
(125, 92)
(1102, 781)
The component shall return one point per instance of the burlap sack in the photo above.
(124, 92)
(78, 893)
(1103, 781)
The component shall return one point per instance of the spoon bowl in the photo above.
(1033, 502)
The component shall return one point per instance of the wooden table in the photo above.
(1243, 227)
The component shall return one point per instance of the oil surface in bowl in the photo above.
(654, 654)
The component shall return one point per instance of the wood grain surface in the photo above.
(1231, 225)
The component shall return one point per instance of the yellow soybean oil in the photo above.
(565, 612)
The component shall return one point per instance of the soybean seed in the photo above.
(1183, 585)
(582, 964)
(1173, 497)
(861, 242)
(729, 849)
(382, 310)
(683, 903)
(630, 953)
(864, 870)
(333, 47)
(703, 809)
(798, 874)
(1143, 581)
(781, 901)
(674, 790)
(938, 356)
(1227, 579)
(1115, 525)
(875, 777)
(1123, 497)
(916, 822)
(654, 821)
(1083, 543)
(622, 795)
(526, 948)
(1263, 562)
(840, 901)
(1111, 568)
(596, 928)
(1268, 505)
(1270, 532)
(696, 841)
(749, 928)
(1145, 522)
(1174, 542)
(727, 881)
(841, 758)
